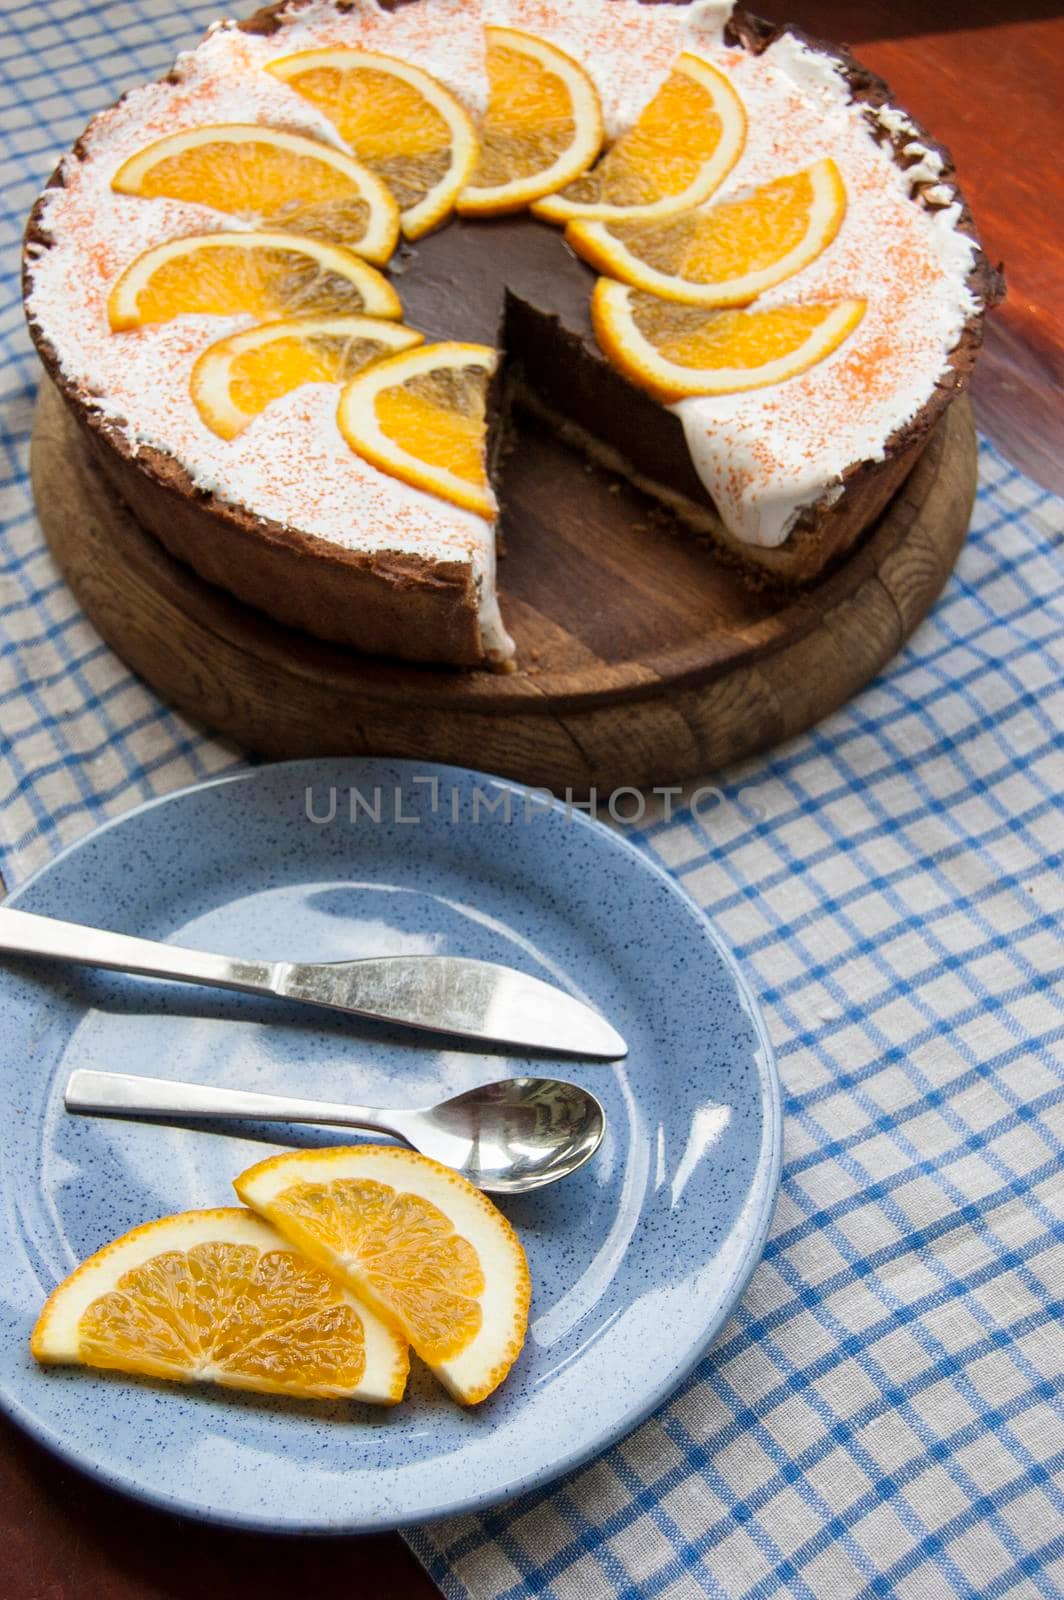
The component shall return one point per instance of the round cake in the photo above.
(294, 292)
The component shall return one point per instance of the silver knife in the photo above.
(444, 994)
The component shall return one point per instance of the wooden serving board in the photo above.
(644, 659)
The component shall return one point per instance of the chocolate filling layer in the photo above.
(515, 283)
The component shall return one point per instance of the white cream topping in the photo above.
(763, 455)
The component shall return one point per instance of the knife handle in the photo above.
(23, 933)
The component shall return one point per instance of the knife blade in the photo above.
(456, 994)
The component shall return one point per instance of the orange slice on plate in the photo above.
(236, 378)
(264, 273)
(681, 148)
(724, 254)
(675, 351)
(428, 1252)
(398, 120)
(420, 416)
(271, 179)
(542, 128)
(220, 1297)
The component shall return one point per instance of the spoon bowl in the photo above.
(511, 1136)
(506, 1137)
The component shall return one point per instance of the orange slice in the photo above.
(542, 128)
(398, 120)
(236, 378)
(428, 1252)
(266, 274)
(271, 179)
(675, 350)
(724, 254)
(420, 416)
(220, 1297)
(681, 148)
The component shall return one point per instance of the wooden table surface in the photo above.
(986, 77)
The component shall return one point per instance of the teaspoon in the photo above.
(506, 1137)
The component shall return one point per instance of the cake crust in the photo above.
(400, 604)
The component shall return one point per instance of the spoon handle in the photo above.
(112, 1093)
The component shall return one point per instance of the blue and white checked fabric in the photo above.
(882, 1417)
(80, 740)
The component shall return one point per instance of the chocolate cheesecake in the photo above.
(784, 479)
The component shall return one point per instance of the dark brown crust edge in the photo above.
(401, 605)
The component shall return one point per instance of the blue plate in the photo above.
(636, 1260)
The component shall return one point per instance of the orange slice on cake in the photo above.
(397, 119)
(266, 274)
(272, 179)
(679, 150)
(724, 254)
(420, 416)
(425, 1250)
(542, 128)
(221, 1297)
(675, 351)
(237, 378)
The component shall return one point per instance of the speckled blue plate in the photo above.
(635, 1261)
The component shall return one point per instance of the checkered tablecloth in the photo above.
(882, 1416)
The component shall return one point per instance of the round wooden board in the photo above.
(644, 659)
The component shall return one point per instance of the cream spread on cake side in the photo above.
(767, 454)
(764, 455)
